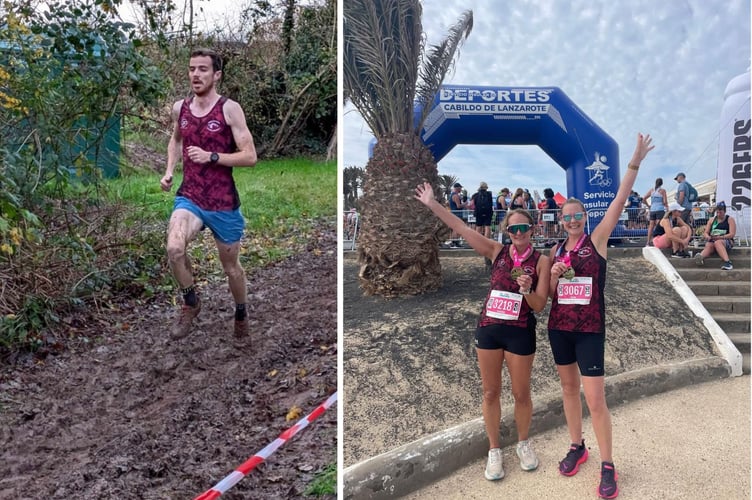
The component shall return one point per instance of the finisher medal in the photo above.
(565, 257)
(517, 271)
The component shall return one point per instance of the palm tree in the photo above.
(387, 70)
(446, 181)
(352, 182)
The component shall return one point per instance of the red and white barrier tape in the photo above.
(235, 476)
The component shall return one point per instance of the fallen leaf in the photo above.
(294, 413)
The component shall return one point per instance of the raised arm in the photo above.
(484, 246)
(603, 231)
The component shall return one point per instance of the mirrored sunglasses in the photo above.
(576, 215)
(518, 228)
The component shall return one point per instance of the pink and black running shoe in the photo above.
(608, 488)
(576, 456)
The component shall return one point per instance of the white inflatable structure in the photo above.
(734, 152)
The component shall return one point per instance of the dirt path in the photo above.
(137, 416)
(410, 367)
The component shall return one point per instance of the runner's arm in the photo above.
(602, 232)
(537, 298)
(486, 247)
(245, 156)
(556, 269)
(174, 148)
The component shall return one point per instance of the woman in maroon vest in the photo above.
(576, 324)
(506, 328)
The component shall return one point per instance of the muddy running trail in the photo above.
(138, 416)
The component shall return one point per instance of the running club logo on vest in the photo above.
(584, 252)
(213, 126)
(184, 123)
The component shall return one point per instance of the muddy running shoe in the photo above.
(608, 488)
(576, 456)
(183, 325)
(494, 469)
(241, 327)
(727, 266)
(526, 454)
(699, 259)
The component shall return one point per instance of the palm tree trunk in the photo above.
(398, 246)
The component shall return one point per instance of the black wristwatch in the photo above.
(214, 158)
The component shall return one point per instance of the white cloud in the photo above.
(639, 66)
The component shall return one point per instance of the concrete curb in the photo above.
(725, 345)
(424, 461)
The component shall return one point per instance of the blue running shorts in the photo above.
(226, 226)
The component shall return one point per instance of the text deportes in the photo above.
(499, 95)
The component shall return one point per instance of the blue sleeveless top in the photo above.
(656, 201)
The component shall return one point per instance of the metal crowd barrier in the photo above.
(350, 223)
(743, 218)
(632, 227)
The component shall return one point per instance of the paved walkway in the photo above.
(690, 443)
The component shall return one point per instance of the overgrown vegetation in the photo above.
(74, 245)
(325, 483)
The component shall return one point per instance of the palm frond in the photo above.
(439, 61)
(383, 43)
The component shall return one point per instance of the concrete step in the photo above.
(711, 263)
(741, 341)
(735, 252)
(725, 303)
(733, 322)
(713, 274)
(725, 288)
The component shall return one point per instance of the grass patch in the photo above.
(275, 191)
(280, 199)
(325, 482)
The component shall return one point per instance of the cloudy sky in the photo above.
(658, 67)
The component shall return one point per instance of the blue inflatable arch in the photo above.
(542, 116)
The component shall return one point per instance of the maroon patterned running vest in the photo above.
(501, 279)
(210, 186)
(590, 318)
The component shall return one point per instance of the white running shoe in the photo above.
(699, 259)
(528, 459)
(494, 469)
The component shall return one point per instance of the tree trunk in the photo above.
(331, 149)
(398, 245)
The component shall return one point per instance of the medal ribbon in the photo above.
(566, 259)
(519, 260)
